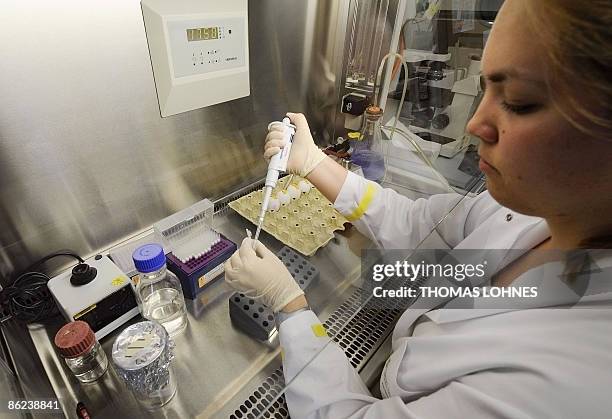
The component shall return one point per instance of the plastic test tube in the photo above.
(274, 204)
(283, 197)
(304, 186)
(293, 192)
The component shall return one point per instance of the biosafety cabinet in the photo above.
(165, 103)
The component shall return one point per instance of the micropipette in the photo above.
(278, 164)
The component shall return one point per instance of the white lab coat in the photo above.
(476, 363)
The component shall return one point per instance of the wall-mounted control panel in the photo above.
(207, 45)
(199, 51)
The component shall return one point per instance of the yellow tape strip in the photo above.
(318, 330)
(363, 206)
(83, 312)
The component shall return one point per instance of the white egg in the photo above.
(274, 205)
(283, 197)
(304, 186)
(293, 191)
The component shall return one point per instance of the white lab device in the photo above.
(278, 162)
(277, 165)
(105, 300)
(199, 52)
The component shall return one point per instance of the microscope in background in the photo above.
(440, 98)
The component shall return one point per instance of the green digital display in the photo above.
(202, 34)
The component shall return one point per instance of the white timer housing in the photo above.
(199, 51)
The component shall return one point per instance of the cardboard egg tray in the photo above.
(305, 223)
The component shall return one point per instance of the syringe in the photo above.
(278, 164)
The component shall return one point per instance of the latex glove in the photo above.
(305, 155)
(260, 275)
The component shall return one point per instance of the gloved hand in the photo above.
(305, 155)
(260, 275)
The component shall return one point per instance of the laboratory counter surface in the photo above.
(217, 366)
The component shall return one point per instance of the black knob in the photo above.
(354, 104)
(82, 274)
(441, 121)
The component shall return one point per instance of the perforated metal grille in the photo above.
(357, 328)
(221, 205)
(358, 334)
(262, 400)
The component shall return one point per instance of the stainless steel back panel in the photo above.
(85, 158)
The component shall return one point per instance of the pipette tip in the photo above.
(256, 235)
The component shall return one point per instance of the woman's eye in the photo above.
(519, 109)
(483, 83)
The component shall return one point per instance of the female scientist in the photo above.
(545, 125)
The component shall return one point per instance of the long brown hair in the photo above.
(578, 37)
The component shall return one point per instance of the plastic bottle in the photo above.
(77, 344)
(368, 152)
(160, 295)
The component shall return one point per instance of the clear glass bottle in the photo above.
(368, 153)
(77, 344)
(160, 295)
(143, 355)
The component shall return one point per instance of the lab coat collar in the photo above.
(585, 292)
(554, 289)
(507, 230)
(516, 233)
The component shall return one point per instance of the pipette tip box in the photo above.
(196, 274)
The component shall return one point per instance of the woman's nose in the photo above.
(482, 125)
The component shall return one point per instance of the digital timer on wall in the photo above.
(199, 52)
(202, 34)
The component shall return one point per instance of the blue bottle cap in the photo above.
(149, 258)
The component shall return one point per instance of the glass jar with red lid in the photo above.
(77, 344)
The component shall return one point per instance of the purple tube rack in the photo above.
(194, 265)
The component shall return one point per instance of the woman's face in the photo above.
(534, 160)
